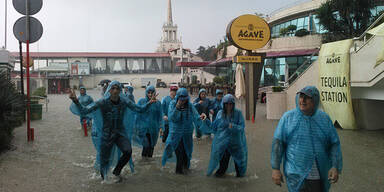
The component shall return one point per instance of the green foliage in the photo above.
(208, 53)
(277, 89)
(41, 91)
(11, 110)
(291, 28)
(283, 31)
(218, 80)
(345, 19)
(301, 33)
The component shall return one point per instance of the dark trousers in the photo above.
(148, 151)
(224, 165)
(312, 186)
(181, 158)
(105, 152)
(165, 133)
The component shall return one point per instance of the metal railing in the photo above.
(363, 37)
(307, 63)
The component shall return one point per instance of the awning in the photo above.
(292, 52)
(224, 62)
(53, 69)
(193, 64)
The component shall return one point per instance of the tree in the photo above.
(345, 19)
(207, 53)
(11, 110)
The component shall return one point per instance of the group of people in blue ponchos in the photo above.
(120, 123)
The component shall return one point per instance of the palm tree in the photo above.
(11, 110)
(345, 18)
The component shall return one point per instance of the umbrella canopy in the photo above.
(240, 82)
(105, 81)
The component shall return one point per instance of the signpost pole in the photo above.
(28, 91)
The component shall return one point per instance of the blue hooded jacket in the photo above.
(165, 105)
(301, 140)
(129, 94)
(216, 104)
(109, 120)
(181, 125)
(149, 121)
(85, 99)
(231, 139)
(205, 106)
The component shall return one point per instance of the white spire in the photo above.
(169, 21)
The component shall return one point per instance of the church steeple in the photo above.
(169, 39)
(169, 21)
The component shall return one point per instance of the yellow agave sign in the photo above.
(248, 32)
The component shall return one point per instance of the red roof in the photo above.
(90, 54)
(193, 64)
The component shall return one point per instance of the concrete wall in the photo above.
(309, 77)
(276, 104)
(363, 70)
(292, 43)
(294, 10)
(369, 113)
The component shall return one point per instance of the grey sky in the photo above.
(131, 25)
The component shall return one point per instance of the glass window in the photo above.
(135, 65)
(300, 23)
(167, 68)
(116, 65)
(98, 65)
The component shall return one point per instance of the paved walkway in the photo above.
(61, 159)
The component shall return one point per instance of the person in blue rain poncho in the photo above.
(216, 103)
(85, 100)
(307, 144)
(229, 140)
(182, 117)
(128, 93)
(165, 105)
(148, 123)
(202, 105)
(110, 132)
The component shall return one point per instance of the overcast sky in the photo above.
(130, 25)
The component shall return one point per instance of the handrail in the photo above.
(364, 35)
(370, 27)
(301, 67)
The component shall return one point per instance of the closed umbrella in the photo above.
(240, 82)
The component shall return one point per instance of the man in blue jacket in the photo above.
(307, 144)
(165, 105)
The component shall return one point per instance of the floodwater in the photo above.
(61, 159)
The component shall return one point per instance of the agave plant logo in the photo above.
(251, 27)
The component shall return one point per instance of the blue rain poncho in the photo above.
(216, 104)
(85, 100)
(165, 105)
(301, 140)
(149, 121)
(205, 106)
(228, 139)
(106, 125)
(129, 94)
(181, 125)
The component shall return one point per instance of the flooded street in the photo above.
(61, 159)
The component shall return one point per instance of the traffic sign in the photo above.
(35, 29)
(34, 6)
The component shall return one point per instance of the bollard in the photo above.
(85, 127)
(32, 134)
